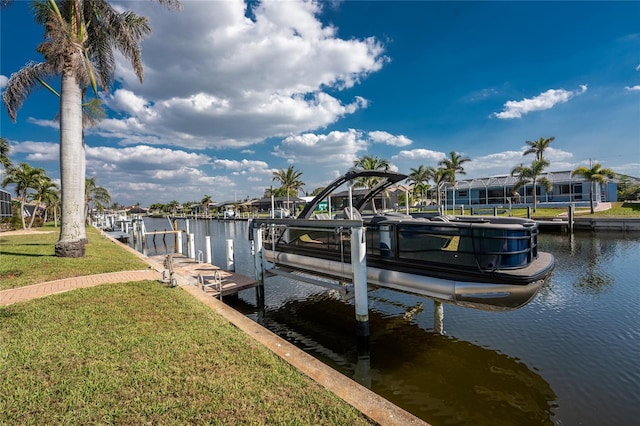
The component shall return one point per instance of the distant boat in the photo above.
(488, 263)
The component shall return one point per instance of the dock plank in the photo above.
(231, 282)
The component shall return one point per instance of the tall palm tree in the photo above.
(419, 178)
(96, 195)
(289, 180)
(594, 174)
(42, 187)
(454, 165)
(538, 147)
(25, 177)
(4, 153)
(79, 42)
(369, 162)
(531, 174)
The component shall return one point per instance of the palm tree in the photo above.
(420, 178)
(440, 176)
(51, 199)
(538, 147)
(172, 206)
(206, 200)
(531, 174)
(42, 187)
(79, 42)
(25, 178)
(95, 194)
(4, 153)
(370, 163)
(289, 180)
(594, 174)
(453, 166)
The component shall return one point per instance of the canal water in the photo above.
(571, 356)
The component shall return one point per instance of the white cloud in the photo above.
(339, 149)
(37, 151)
(545, 100)
(420, 154)
(3, 81)
(389, 139)
(635, 88)
(44, 123)
(252, 75)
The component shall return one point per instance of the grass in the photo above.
(143, 353)
(29, 259)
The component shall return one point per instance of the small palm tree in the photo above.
(454, 165)
(43, 188)
(419, 178)
(531, 174)
(25, 178)
(206, 200)
(538, 147)
(440, 176)
(370, 163)
(96, 195)
(52, 201)
(594, 174)
(289, 180)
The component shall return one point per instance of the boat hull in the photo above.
(474, 294)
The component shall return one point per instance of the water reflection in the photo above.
(441, 379)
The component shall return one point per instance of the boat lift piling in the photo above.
(359, 264)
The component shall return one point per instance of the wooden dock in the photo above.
(211, 279)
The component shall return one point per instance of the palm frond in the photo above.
(22, 83)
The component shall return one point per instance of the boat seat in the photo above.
(352, 213)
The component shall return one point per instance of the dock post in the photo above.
(572, 212)
(231, 264)
(359, 265)
(179, 242)
(191, 252)
(257, 259)
(207, 243)
(186, 224)
(438, 317)
(495, 211)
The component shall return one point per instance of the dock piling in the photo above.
(359, 265)
(191, 250)
(231, 264)
(207, 243)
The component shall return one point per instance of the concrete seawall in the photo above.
(607, 224)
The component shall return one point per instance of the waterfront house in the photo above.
(498, 190)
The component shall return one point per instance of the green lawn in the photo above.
(143, 353)
(29, 259)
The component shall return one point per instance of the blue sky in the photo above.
(233, 92)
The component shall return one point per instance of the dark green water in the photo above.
(571, 356)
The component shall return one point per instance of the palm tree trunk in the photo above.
(72, 233)
(33, 216)
(24, 226)
(591, 185)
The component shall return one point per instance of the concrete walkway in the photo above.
(15, 295)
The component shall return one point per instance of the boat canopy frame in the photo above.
(390, 178)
